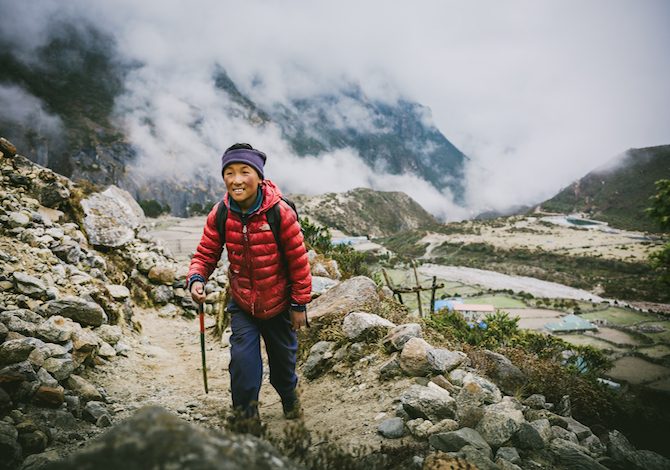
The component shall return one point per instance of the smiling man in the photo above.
(269, 275)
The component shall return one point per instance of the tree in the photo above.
(660, 211)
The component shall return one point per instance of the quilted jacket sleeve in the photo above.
(295, 254)
(209, 250)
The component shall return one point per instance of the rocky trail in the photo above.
(164, 369)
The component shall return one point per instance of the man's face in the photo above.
(241, 183)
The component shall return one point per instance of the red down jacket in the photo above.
(261, 283)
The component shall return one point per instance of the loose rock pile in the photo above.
(463, 415)
(67, 301)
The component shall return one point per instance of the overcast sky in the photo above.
(536, 93)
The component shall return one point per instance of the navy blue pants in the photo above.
(246, 365)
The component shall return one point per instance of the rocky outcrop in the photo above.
(66, 307)
(467, 418)
(155, 438)
(357, 293)
(111, 217)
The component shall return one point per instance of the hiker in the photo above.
(269, 277)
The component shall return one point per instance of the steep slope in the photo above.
(618, 193)
(363, 211)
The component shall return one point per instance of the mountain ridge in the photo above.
(619, 191)
(78, 75)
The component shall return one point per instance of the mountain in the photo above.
(363, 211)
(619, 192)
(73, 82)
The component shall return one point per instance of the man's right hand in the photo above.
(198, 292)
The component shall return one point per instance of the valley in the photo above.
(634, 335)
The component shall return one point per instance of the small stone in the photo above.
(395, 340)
(162, 274)
(18, 219)
(33, 442)
(358, 324)
(392, 428)
(49, 395)
(413, 358)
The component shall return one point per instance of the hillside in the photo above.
(363, 211)
(617, 193)
(95, 325)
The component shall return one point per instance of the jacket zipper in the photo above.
(247, 259)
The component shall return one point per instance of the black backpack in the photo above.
(273, 215)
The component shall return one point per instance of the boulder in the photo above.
(356, 293)
(358, 324)
(506, 375)
(56, 329)
(16, 350)
(321, 284)
(30, 285)
(155, 438)
(571, 455)
(392, 428)
(446, 425)
(414, 357)
(111, 217)
(396, 338)
(536, 401)
(319, 359)
(118, 292)
(508, 453)
(69, 252)
(18, 219)
(491, 392)
(49, 395)
(60, 367)
(419, 427)
(580, 430)
(499, 423)
(444, 360)
(535, 435)
(84, 340)
(432, 403)
(83, 312)
(18, 372)
(7, 148)
(111, 334)
(162, 274)
(162, 294)
(96, 413)
(83, 388)
(455, 440)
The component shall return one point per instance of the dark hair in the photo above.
(238, 147)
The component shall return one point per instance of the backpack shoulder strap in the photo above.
(221, 217)
(274, 219)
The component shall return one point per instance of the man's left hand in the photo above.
(298, 319)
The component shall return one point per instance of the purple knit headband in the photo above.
(253, 158)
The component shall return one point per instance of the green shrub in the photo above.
(153, 208)
(495, 330)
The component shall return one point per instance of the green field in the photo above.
(664, 336)
(584, 340)
(617, 316)
(657, 352)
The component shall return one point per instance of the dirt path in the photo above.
(343, 407)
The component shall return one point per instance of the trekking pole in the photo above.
(201, 312)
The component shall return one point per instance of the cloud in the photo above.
(21, 110)
(537, 94)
